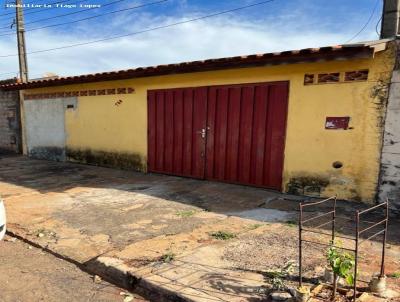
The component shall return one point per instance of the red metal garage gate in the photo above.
(227, 133)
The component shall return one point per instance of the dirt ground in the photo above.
(29, 274)
(189, 239)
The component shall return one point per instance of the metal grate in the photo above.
(331, 215)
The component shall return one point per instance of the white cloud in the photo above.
(215, 37)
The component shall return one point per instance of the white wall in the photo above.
(390, 163)
(45, 128)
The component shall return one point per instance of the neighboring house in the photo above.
(307, 122)
(10, 130)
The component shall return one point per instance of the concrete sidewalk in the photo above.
(170, 238)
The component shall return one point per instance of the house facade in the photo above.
(308, 122)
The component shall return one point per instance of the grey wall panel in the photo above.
(45, 128)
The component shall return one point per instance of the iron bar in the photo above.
(367, 221)
(318, 216)
(352, 220)
(327, 234)
(317, 202)
(358, 232)
(325, 244)
(384, 240)
(372, 236)
(300, 247)
(301, 222)
(321, 225)
(372, 226)
(370, 209)
(356, 256)
(334, 221)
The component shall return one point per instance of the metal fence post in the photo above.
(384, 240)
(334, 221)
(300, 246)
(356, 254)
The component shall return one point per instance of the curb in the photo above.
(119, 273)
(116, 273)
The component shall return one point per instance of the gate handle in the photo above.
(202, 132)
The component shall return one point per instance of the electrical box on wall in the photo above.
(337, 123)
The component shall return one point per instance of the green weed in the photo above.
(168, 257)
(254, 226)
(185, 213)
(222, 235)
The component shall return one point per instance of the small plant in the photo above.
(222, 235)
(277, 276)
(278, 283)
(395, 275)
(342, 265)
(168, 257)
(185, 213)
(254, 226)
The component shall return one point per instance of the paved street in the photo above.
(29, 274)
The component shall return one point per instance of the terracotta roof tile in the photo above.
(283, 57)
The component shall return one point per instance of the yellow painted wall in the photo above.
(98, 124)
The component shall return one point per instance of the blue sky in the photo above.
(278, 25)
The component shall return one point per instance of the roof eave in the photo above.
(270, 59)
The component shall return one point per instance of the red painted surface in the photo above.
(244, 126)
(174, 144)
(337, 123)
